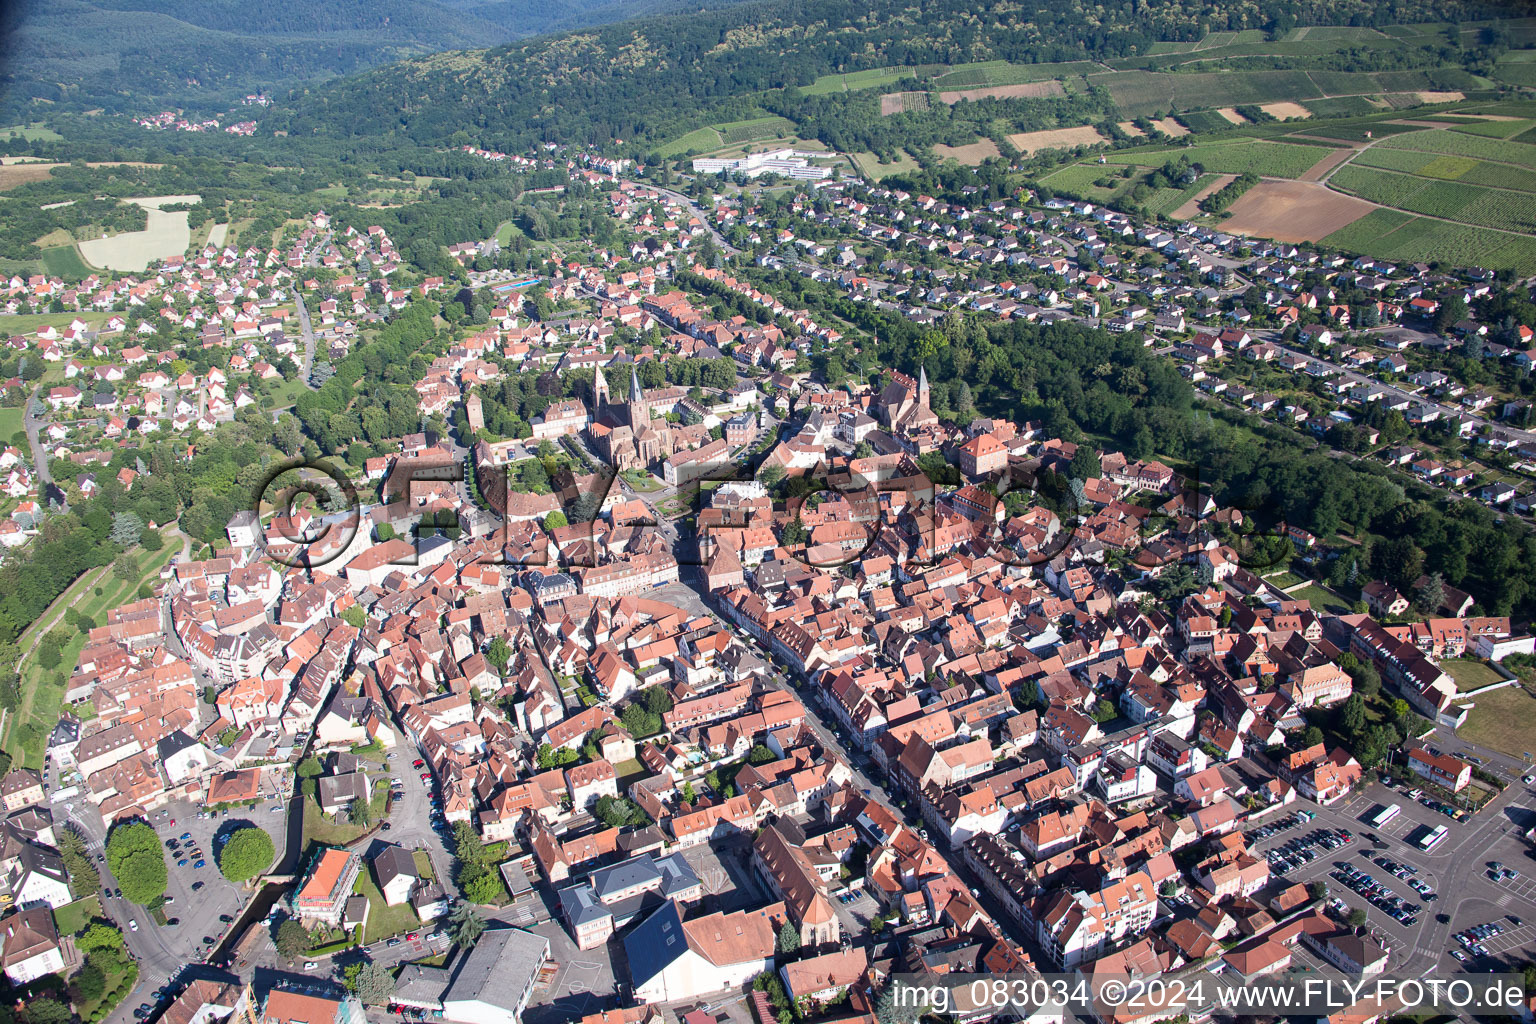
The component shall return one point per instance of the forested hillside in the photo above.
(644, 80)
(124, 54)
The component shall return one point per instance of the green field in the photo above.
(700, 140)
(10, 424)
(1496, 129)
(1164, 201)
(65, 261)
(870, 166)
(32, 133)
(1277, 159)
(1465, 169)
(1470, 673)
(1453, 200)
(1205, 121)
(735, 133)
(1078, 180)
(1503, 720)
(1393, 235)
(1000, 72)
(856, 80)
(1461, 144)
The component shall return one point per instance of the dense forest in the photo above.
(646, 80)
(119, 55)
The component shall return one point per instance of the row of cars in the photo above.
(1473, 938)
(1279, 825)
(1408, 873)
(1381, 897)
(1305, 849)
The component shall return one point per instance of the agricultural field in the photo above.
(700, 140)
(1025, 90)
(65, 261)
(902, 102)
(1164, 201)
(1292, 211)
(1501, 129)
(1452, 200)
(1000, 72)
(1055, 138)
(1277, 159)
(1450, 168)
(735, 133)
(1461, 144)
(166, 234)
(972, 155)
(1342, 106)
(1205, 121)
(873, 78)
(1395, 235)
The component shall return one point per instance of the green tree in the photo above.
(465, 926)
(1085, 463)
(360, 812)
(657, 700)
(374, 984)
(354, 616)
(45, 1011)
(127, 528)
(1352, 715)
(789, 938)
(499, 653)
(1357, 918)
(310, 768)
(555, 520)
(760, 754)
(137, 861)
(291, 941)
(247, 854)
(1430, 595)
(481, 885)
(88, 984)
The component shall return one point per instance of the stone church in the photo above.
(626, 435)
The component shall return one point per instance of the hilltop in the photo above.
(117, 54)
(647, 81)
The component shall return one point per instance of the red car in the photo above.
(418, 763)
(426, 777)
(413, 936)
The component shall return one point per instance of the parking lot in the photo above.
(197, 898)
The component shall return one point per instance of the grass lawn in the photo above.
(384, 921)
(627, 770)
(1470, 673)
(1322, 599)
(322, 830)
(72, 918)
(26, 323)
(1503, 720)
(10, 422)
(1284, 578)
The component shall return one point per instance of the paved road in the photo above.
(308, 362)
(34, 427)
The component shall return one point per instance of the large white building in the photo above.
(788, 162)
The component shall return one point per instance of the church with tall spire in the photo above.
(624, 434)
(902, 405)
